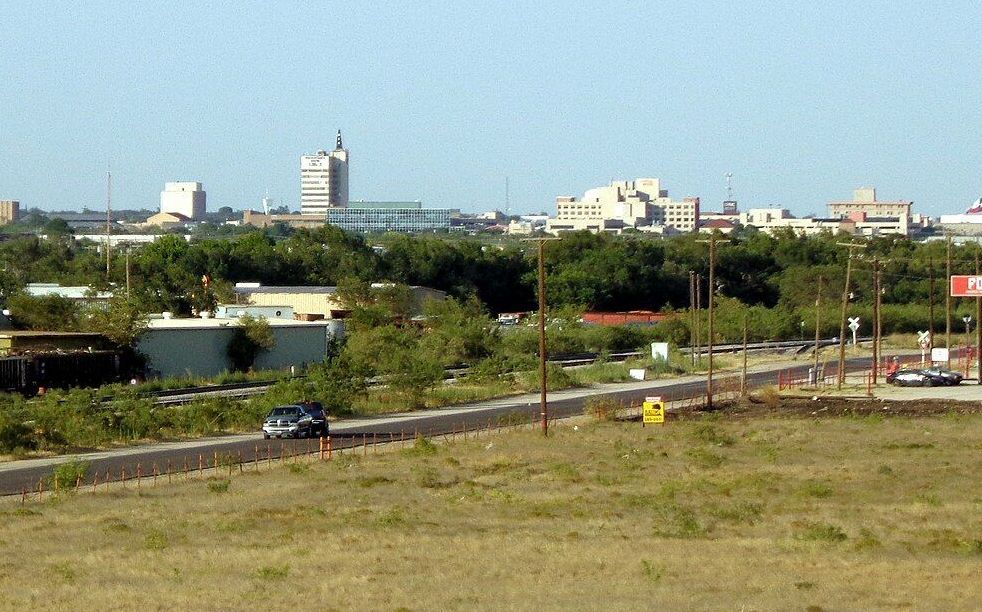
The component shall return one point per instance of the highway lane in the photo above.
(348, 435)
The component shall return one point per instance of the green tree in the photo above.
(44, 313)
(397, 356)
(122, 321)
(252, 337)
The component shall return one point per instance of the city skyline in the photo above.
(801, 104)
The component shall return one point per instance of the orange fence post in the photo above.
(329, 453)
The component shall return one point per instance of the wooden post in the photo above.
(698, 318)
(709, 336)
(876, 323)
(845, 305)
(692, 317)
(543, 403)
(743, 373)
(930, 307)
(978, 326)
(947, 292)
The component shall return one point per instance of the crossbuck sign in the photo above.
(924, 339)
(854, 326)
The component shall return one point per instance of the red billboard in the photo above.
(966, 286)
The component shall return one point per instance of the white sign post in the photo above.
(854, 326)
(924, 340)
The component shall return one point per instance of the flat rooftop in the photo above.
(199, 323)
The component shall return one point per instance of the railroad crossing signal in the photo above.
(653, 411)
(924, 339)
(854, 326)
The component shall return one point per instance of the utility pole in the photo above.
(127, 271)
(109, 216)
(709, 337)
(818, 315)
(930, 311)
(845, 304)
(543, 401)
(692, 317)
(698, 318)
(743, 374)
(876, 319)
(947, 310)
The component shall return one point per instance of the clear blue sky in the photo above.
(801, 103)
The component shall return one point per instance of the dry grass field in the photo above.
(742, 512)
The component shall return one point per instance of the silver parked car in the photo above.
(287, 422)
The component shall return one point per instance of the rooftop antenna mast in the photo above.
(729, 186)
(507, 200)
(109, 216)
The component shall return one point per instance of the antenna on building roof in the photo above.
(507, 201)
(729, 185)
(339, 147)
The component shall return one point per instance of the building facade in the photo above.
(864, 201)
(317, 302)
(375, 220)
(324, 180)
(199, 347)
(184, 198)
(9, 211)
(639, 204)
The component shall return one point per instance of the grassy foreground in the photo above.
(743, 513)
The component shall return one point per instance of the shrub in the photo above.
(67, 474)
(273, 572)
(155, 539)
(422, 447)
(219, 486)
(602, 408)
(823, 532)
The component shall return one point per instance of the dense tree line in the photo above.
(584, 270)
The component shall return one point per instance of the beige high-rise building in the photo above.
(864, 201)
(184, 198)
(324, 180)
(9, 211)
(640, 204)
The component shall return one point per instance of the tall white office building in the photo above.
(185, 198)
(324, 180)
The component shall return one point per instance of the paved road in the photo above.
(16, 477)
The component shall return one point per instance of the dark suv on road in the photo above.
(287, 422)
(318, 424)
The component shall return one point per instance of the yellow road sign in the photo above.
(653, 411)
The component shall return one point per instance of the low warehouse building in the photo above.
(199, 347)
(312, 302)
